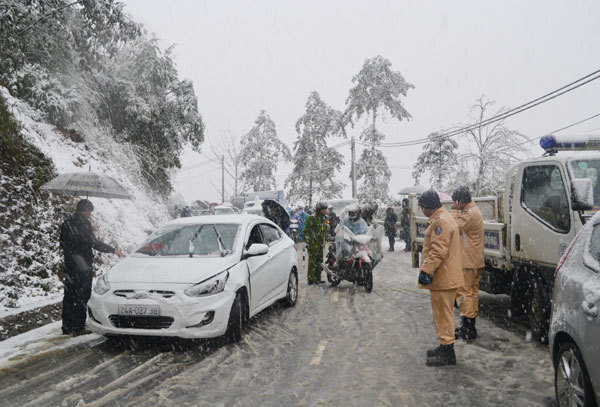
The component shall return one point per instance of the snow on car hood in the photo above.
(178, 270)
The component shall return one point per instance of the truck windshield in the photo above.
(587, 168)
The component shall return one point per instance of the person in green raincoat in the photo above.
(315, 233)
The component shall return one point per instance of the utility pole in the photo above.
(222, 178)
(353, 168)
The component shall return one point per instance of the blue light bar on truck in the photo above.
(553, 143)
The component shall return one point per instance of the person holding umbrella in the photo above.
(77, 241)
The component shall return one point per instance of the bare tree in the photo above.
(492, 148)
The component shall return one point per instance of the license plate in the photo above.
(139, 310)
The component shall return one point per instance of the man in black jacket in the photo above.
(77, 241)
(390, 226)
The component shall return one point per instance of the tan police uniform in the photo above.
(441, 258)
(470, 226)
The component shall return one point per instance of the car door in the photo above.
(589, 309)
(542, 221)
(277, 252)
(258, 267)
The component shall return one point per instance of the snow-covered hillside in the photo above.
(122, 222)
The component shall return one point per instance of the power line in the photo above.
(197, 165)
(504, 115)
(552, 132)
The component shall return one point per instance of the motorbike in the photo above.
(293, 233)
(350, 259)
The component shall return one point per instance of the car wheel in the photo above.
(235, 323)
(292, 290)
(571, 380)
(538, 311)
(368, 275)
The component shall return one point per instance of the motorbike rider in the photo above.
(367, 212)
(353, 220)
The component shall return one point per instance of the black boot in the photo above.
(467, 331)
(443, 355)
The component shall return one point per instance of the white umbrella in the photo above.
(415, 189)
(86, 183)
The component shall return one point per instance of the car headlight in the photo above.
(101, 286)
(210, 286)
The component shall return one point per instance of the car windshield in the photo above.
(587, 168)
(177, 240)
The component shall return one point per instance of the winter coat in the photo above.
(470, 226)
(405, 217)
(441, 257)
(390, 223)
(77, 241)
(303, 219)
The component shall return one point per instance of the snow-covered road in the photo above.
(338, 347)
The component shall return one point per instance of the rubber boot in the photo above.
(467, 331)
(458, 332)
(443, 355)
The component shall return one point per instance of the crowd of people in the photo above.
(451, 260)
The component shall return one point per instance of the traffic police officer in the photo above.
(470, 225)
(440, 273)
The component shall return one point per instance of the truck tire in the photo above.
(518, 294)
(539, 310)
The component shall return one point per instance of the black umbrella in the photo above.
(276, 213)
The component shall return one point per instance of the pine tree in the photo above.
(438, 158)
(378, 90)
(261, 150)
(315, 164)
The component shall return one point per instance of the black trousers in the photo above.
(392, 240)
(78, 288)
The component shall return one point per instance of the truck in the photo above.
(530, 223)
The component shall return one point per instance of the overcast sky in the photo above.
(245, 56)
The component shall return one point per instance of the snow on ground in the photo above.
(125, 223)
(30, 303)
(48, 338)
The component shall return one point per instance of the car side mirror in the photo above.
(257, 249)
(582, 194)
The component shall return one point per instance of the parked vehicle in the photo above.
(276, 195)
(529, 224)
(253, 210)
(350, 259)
(575, 324)
(197, 278)
(223, 210)
(339, 204)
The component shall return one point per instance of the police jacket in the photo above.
(441, 257)
(470, 226)
(77, 241)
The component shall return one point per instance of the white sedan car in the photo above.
(197, 277)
